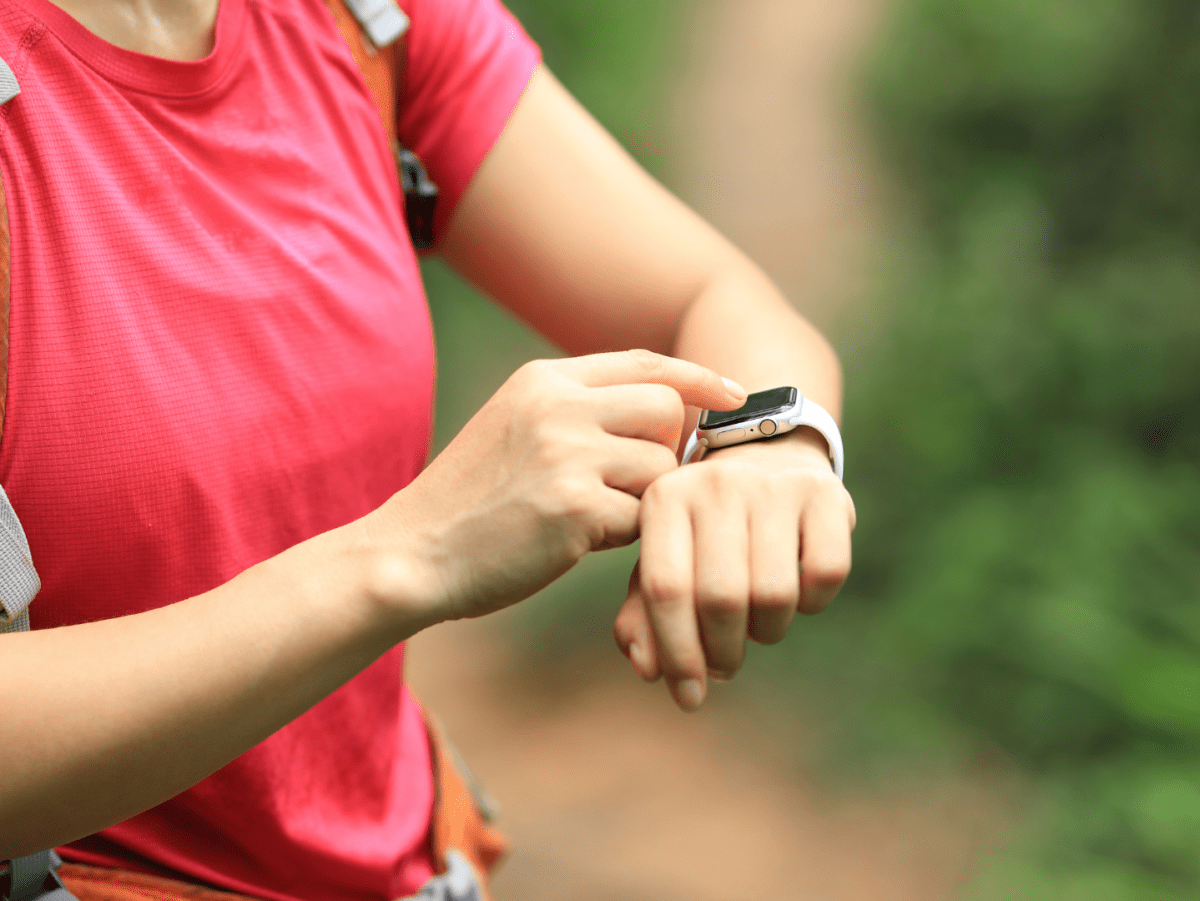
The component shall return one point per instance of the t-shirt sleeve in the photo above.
(469, 62)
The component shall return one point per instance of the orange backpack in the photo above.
(375, 32)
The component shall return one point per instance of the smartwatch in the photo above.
(765, 414)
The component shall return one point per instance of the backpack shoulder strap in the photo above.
(375, 31)
(18, 579)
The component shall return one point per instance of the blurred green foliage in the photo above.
(609, 53)
(1025, 432)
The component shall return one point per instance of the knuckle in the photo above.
(721, 602)
(726, 668)
(683, 665)
(618, 527)
(666, 402)
(726, 658)
(526, 378)
(767, 631)
(662, 461)
(536, 368)
(774, 597)
(665, 588)
(826, 575)
(677, 672)
(722, 480)
(647, 362)
(657, 493)
(568, 499)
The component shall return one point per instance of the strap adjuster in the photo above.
(34, 877)
(420, 198)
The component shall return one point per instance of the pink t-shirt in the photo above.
(220, 347)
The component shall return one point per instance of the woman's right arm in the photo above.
(106, 719)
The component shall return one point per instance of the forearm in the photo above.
(741, 327)
(564, 229)
(106, 719)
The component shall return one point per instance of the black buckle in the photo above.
(420, 198)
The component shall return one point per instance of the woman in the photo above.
(218, 409)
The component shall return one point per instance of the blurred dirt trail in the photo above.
(610, 794)
(608, 791)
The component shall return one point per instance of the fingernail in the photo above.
(718, 676)
(690, 694)
(638, 658)
(735, 388)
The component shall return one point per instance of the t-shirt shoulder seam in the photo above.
(33, 33)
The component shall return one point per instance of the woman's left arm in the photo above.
(563, 228)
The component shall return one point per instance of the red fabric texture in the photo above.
(219, 347)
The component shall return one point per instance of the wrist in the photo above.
(394, 579)
(362, 576)
(807, 440)
(803, 443)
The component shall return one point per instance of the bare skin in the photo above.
(570, 456)
(182, 30)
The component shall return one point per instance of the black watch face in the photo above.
(761, 403)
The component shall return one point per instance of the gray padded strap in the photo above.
(8, 83)
(33, 878)
(19, 581)
(30, 875)
(458, 883)
(382, 20)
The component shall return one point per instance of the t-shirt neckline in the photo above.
(145, 73)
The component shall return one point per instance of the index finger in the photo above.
(696, 384)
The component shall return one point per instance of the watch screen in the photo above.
(761, 403)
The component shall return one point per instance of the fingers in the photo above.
(697, 385)
(722, 582)
(634, 633)
(731, 550)
(774, 571)
(650, 412)
(666, 582)
(616, 525)
(632, 465)
(825, 554)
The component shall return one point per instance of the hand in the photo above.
(550, 468)
(720, 543)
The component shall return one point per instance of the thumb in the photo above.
(697, 385)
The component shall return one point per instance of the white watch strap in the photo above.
(689, 449)
(814, 415)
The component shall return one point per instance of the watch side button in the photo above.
(731, 435)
